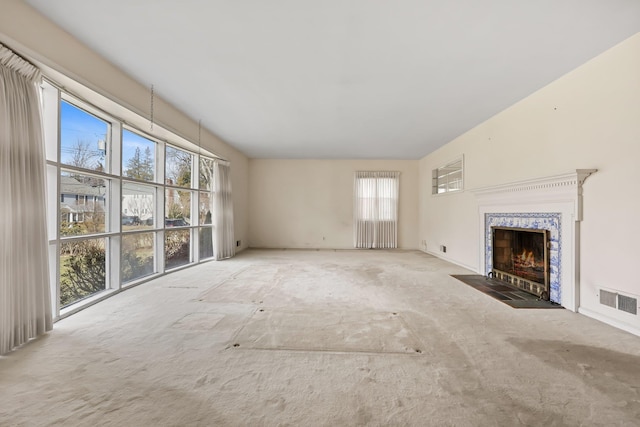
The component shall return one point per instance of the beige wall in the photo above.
(589, 118)
(309, 203)
(29, 33)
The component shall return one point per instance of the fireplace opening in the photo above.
(520, 258)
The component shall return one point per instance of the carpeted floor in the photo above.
(509, 295)
(321, 338)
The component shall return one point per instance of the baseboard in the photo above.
(347, 248)
(459, 264)
(609, 321)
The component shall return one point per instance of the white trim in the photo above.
(609, 320)
(452, 261)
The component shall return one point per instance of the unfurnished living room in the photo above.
(337, 213)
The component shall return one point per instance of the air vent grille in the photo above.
(608, 298)
(628, 304)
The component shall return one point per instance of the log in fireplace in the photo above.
(521, 259)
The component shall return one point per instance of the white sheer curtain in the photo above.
(375, 209)
(225, 245)
(25, 300)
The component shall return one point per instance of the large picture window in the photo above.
(126, 206)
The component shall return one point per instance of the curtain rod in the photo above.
(16, 62)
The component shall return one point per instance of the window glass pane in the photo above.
(177, 208)
(377, 198)
(177, 248)
(455, 181)
(206, 174)
(83, 138)
(138, 206)
(448, 178)
(205, 208)
(82, 269)
(138, 156)
(456, 165)
(366, 197)
(178, 167)
(137, 256)
(82, 204)
(206, 242)
(385, 209)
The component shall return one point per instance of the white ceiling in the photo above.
(392, 79)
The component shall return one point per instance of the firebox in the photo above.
(521, 258)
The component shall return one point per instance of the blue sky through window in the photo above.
(82, 138)
(132, 141)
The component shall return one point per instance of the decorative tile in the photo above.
(536, 221)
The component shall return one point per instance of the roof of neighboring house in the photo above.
(66, 208)
(70, 185)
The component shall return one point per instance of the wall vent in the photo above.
(628, 304)
(608, 298)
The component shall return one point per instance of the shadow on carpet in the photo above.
(509, 295)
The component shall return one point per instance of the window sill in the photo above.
(84, 303)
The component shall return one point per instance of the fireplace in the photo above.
(552, 203)
(521, 258)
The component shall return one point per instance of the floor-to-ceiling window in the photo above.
(124, 206)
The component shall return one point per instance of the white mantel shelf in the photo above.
(570, 179)
(567, 186)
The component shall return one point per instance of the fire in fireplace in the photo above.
(520, 258)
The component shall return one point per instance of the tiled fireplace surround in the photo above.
(534, 221)
(551, 203)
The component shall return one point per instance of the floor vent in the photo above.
(608, 298)
(628, 304)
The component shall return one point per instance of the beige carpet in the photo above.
(321, 338)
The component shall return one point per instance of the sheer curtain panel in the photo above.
(376, 209)
(225, 245)
(25, 300)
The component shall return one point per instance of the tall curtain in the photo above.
(25, 299)
(225, 245)
(375, 209)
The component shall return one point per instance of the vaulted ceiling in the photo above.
(345, 78)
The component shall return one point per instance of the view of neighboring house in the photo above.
(137, 207)
(80, 202)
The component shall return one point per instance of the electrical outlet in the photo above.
(443, 248)
(238, 243)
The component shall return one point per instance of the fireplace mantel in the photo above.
(554, 203)
(566, 187)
